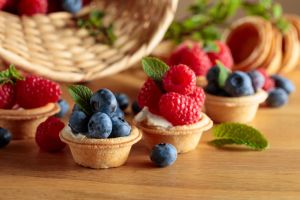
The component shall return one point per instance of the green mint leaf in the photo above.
(282, 24)
(81, 96)
(277, 11)
(154, 68)
(10, 75)
(211, 46)
(223, 74)
(240, 134)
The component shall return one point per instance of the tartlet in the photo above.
(233, 109)
(185, 138)
(100, 153)
(22, 123)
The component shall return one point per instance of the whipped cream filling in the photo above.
(151, 119)
(78, 136)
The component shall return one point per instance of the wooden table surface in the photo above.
(206, 173)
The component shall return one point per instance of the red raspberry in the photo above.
(7, 96)
(32, 7)
(194, 57)
(269, 82)
(86, 2)
(224, 55)
(47, 135)
(180, 79)
(198, 96)
(2, 4)
(149, 96)
(179, 109)
(36, 91)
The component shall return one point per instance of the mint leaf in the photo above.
(154, 68)
(223, 74)
(10, 75)
(81, 96)
(236, 133)
(277, 11)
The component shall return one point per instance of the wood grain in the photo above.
(206, 173)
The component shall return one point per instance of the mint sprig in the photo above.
(10, 75)
(223, 74)
(154, 68)
(82, 95)
(240, 134)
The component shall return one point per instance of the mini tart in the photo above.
(100, 153)
(22, 123)
(234, 109)
(184, 138)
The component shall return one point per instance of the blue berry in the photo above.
(135, 107)
(76, 108)
(258, 80)
(104, 101)
(5, 137)
(239, 84)
(118, 113)
(163, 154)
(72, 6)
(120, 127)
(122, 100)
(214, 89)
(277, 97)
(79, 122)
(100, 126)
(212, 74)
(284, 83)
(64, 107)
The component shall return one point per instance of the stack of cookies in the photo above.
(256, 43)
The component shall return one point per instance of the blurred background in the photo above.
(289, 6)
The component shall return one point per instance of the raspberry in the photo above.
(179, 109)
(7, 96)
(198, 96)
(36, 91)
(2, 4)
(32, 7)
(47, 135)
(149, 96)
(269, 83)
(180, 79)
(224, 55)
(194, 57)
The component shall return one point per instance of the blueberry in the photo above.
(258, 80)
(104, 101)
(76, 108)
(79, 122)
(120, 127)
(284, 83)
(122, 100)
(277, 97)
(118, 113)
(5, 137)
(64, 107)
(163, 154)
(100, 126)
(72, 6)
(212, 74)
(214, 89)
(239, 84)
(135, 107)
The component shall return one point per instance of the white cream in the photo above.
(151, 119)
(77, 136)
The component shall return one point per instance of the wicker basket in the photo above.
(47, 46)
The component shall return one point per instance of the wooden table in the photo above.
(206, 173)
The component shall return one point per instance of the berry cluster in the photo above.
(32, 7)
(174, 95)
(198, 59)
(29, 92)
(98, 115)
(222, 82)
